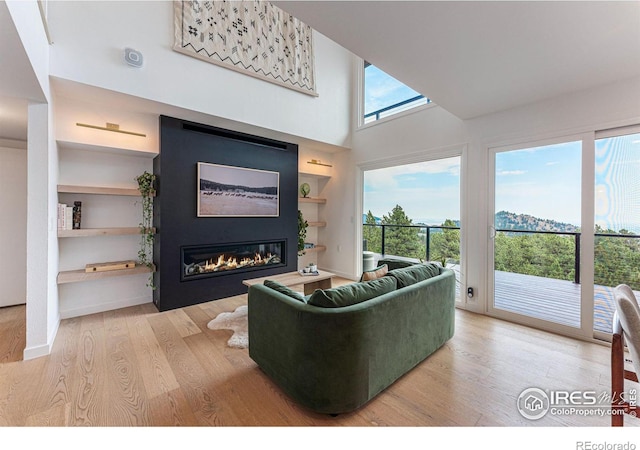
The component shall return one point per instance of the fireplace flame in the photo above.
(225, 262)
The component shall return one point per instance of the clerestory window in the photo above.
(385, 96)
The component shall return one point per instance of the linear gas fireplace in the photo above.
(213, 260)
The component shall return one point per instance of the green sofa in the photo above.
(333, 359)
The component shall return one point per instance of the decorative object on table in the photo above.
(108, 266)
(77, 215)
(147, 191)
(305, 189)
(311, 269)
(308, 274)
(229, 191)
(308, 245)
(302, 233)
(255, 38)
(236, 321)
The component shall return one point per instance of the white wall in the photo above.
(90, 38)
(13, 224)
(42, 251)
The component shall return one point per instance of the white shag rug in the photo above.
(236, 321)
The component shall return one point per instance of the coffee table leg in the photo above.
(321, 284)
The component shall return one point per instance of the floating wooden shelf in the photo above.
(316, 249)
(104, 149)
(89, 232)
(317, 224)
(312, 200)
(69, 189)
(76, 276)
(313, 175)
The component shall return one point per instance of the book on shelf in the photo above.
(65, 217)
(61, 215)
(68, 218)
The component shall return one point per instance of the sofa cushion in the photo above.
(374, 274)
(393, 263)
(284, 290)
(353, 293)
(414, 274)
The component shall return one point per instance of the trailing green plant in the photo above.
(145, 254)
(302, 233)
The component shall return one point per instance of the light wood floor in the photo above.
(13, 333)
(139, 367)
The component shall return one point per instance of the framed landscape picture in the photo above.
(228, 191)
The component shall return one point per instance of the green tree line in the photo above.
(617, 258)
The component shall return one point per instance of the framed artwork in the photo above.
(229, 191)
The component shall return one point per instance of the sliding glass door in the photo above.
(617, 221)
(535, 239)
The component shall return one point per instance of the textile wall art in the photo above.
(252, 37)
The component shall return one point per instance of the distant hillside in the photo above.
(207, 185)
(510, 221)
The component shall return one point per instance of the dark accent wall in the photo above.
(182, 145)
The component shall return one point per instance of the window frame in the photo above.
(360, 123)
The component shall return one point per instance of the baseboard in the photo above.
(69, 313)
(42, 350)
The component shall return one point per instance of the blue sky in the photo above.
(617, 189)
(429, 192)
(382, 90)
(544, 182)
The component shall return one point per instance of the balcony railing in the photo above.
(398, 105)
(428, 231)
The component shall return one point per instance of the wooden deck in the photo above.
(550, 299)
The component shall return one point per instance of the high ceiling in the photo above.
(471, 58)
(477, 57)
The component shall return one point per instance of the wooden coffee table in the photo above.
(310, 282)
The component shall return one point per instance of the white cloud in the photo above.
(511, 172)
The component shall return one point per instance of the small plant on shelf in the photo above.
(302, 233)
(145, 254)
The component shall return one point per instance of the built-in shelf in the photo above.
(312, 200)
(317, 224)
(76, 276)
(316, 249)
(313, 175)
(105, 149)
(89, 232)
(99, 190)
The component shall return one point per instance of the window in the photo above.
(385, 96)
(412, 211)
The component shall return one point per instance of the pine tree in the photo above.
(372, 234)
(402, 241)
(445, 244)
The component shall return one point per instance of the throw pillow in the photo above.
(352, 294)
(414, 274)
(284, 290)
(374, 274)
